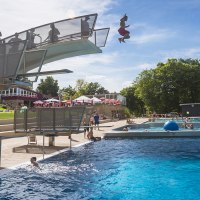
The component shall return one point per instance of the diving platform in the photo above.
(62, 71)
(27, 51)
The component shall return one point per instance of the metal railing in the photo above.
(20, 48)
(52, 119)
(68, 29)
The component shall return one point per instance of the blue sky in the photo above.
(160, 29)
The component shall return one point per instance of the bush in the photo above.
(3, 106)
(127, 113)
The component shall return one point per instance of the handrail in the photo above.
(15, 49)
(69, 23)
(69, 29)
(101, 34)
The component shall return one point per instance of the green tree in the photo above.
(67, 93)
(84, 88)
(49, 86)
(102, 90)
(92, 88)
(162, 89)
(149, 93)
(80, 87)
(133, 103)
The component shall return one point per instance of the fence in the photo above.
(53, 119)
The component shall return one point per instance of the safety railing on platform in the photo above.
(69, 29)
(100, 36)
(21, 48)
(52, 119)
(9, 64)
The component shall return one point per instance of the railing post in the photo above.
(52, 33)
(25, 119)
(70, 141)
(95, 38)
(43, 143)
(15, 120)
(0, 151)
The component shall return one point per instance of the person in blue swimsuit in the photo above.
(96, 120)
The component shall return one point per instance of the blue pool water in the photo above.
(151, 129)
(163, 120)
(139, 169)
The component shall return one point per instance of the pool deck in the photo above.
(24, 152)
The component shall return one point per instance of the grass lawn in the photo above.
(7, 115)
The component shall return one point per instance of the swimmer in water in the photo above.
(34, 162)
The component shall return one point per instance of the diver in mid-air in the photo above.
(122, 30)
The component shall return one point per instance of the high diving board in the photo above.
(67, 49)
(29, 50)
(62, 71)
(61, 50)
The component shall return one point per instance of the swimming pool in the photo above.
(153, 169)
(142, 129)
(181, 120)
(152, 130)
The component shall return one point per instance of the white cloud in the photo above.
(127, 83)
(86, 63)
(149, 36)
(119, 64)
(145, 66)
(103, 68)
(181, 53)
(19, 15)
(94, 78)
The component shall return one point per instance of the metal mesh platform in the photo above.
(28, 50)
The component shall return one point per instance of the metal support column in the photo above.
(43, 144)
(51, 140)
(70, 140)
(0, 151)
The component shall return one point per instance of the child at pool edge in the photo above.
(91, 136)
(86, 129)
(34, 162)
(125, 128)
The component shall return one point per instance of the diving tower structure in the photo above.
(23, 54)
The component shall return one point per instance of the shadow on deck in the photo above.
(38, 149)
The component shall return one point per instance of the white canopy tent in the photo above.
(83, 99)
(52, 100)
(96, 100)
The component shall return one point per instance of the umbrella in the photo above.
(83, 99)
(38, 102)
(106, 101)
(96, 100)
(111, 101)
(118, 102)
(52, 100)
(69, 102)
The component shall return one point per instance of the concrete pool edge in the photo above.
(152, 134)
(15, 167)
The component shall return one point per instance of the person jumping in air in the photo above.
(122, 30)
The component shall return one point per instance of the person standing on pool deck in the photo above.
(86, 127)
(96, 120)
